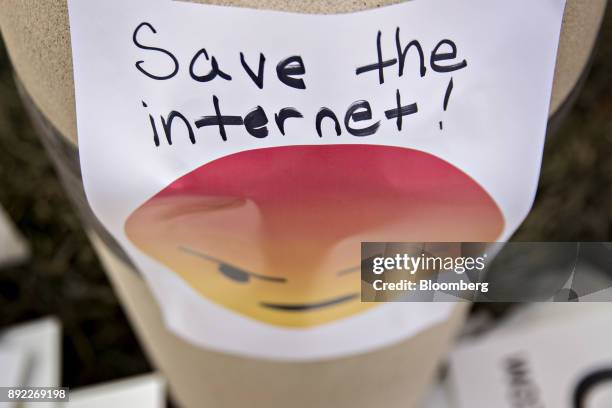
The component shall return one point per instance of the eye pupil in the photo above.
(234, 274)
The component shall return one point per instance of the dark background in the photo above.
(63, 277)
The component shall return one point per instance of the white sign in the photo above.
(554, 355)
(241, 156)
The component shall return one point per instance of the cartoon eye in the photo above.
(235, 274)
(231, 272)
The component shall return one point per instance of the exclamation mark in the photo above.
(447, 95)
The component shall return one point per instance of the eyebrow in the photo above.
(207, 257)
(202, 255)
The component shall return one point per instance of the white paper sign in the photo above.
(241, 156)
(556, 355)
(13, 362)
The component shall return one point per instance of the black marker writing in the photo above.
(327, 113)
(360, 119)
(288, 68)
(157, 49)
(219, 120)
(445, 50)
(358, 112)
(258, 78)
(400, 111)
(283, 115)
(214, 68)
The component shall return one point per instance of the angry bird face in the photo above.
(274, 234)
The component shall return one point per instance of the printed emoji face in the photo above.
(274, 234)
